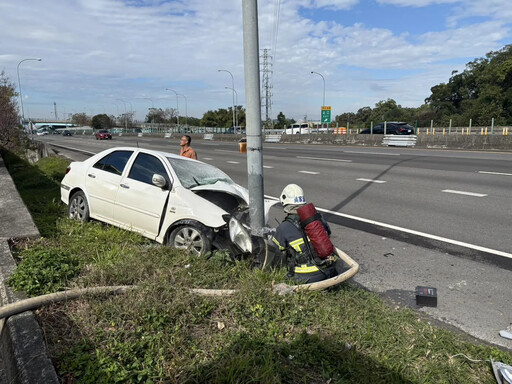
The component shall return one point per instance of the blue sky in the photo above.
(98, 52)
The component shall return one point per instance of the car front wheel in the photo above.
(78, 207)
(190, 238)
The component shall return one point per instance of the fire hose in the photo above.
(39, 301)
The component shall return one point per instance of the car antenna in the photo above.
(137, 143)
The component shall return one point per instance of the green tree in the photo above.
(282, 122)
(102, 121)
(482, 91)
(80, 119)
(162, 116)
(220, 118)
(363, 115)
(344, 118)
(11, 134)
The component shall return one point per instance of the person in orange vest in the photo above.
(186, 149)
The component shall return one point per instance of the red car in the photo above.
(103, 134)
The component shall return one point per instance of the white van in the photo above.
(298, 128)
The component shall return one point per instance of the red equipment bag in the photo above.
(310, 221)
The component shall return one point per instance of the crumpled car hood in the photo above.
(221, 186)
(237, 191)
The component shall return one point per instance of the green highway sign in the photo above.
(326, 114)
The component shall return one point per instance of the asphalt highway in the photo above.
(463, 197)
(410, 217)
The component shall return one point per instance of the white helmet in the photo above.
(292, 194)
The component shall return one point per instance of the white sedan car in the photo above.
(173, 200)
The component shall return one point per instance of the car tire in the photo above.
(190, 238)
(78, 207)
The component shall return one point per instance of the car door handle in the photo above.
(125, 186)
(91, 175)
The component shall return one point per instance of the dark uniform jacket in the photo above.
(290, 238)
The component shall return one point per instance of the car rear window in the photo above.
(114, 162)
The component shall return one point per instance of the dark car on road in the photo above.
(103, 134)
(392, 128)
(67, 133)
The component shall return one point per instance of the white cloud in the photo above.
(417, 3)
(97, 51)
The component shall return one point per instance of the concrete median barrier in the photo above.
(23, 353)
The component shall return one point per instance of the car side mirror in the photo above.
(159, 180)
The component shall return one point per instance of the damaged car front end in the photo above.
(236, 235)
(218, 192)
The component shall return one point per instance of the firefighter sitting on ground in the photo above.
(302, 261)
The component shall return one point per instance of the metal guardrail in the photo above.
(399, 141)
(273, 138)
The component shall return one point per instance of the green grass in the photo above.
(38, 186)
(163, 333)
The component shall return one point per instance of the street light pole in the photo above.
(177, 106)
(323, 100)
(19, 87)
(233, 88)
(125, 115)
(132, 114)
(152, 112)
(236, 103)
(186, 109)
(152, 107)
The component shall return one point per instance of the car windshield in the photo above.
(192, 174)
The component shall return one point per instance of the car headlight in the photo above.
(239, 235)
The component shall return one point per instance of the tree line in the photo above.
(481, 92)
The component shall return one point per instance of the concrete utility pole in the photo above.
(55, 109)
(253, 117)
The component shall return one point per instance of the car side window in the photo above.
(145, 166)
(114, 162)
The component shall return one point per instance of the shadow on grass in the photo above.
(40, 191)
(306, 359)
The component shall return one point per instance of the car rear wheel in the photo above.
(190, 238)
(78, 207)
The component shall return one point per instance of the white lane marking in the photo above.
(310, 172)
(373, 181)
(225, 150)
(373, 153)
(413, 232)
(204, 143)
(207, 158)
(324, 159)
(496, 173)
(272, 147)
(465, 193)
(233, 162)
(268, 166)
